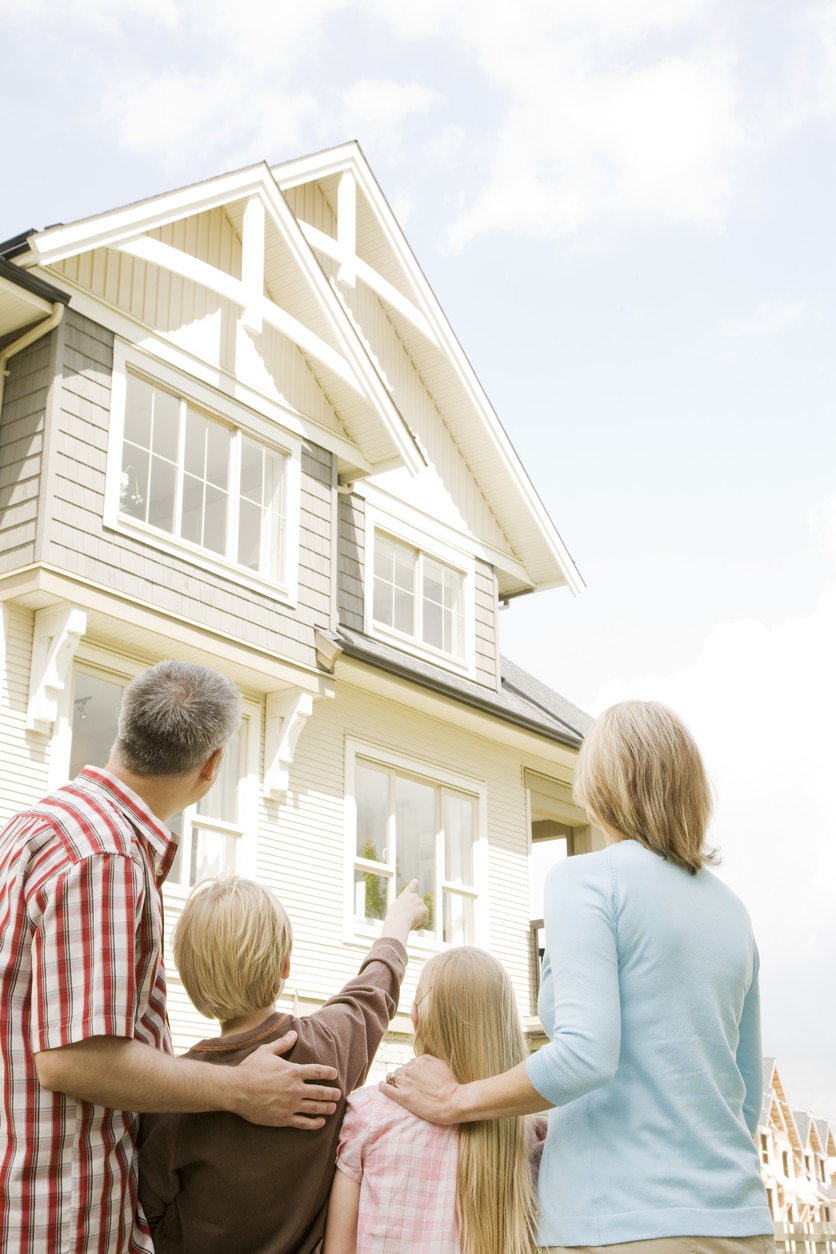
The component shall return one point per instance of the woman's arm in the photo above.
(428, 1088)
(343, 1209)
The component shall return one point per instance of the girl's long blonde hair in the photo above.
(467, 1015)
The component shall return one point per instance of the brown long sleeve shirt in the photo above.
(215, 1184)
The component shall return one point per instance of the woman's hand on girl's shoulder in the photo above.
(427, 1087)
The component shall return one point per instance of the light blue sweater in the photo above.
(650, 998)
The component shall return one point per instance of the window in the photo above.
(194, 477)
(418, 596)
(211, 831)
(411, 827)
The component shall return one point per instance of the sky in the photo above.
(625, 208)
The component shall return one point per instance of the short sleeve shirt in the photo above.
(81, 955)
(406, 1169)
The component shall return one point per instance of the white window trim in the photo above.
(96, 660)
(457, 559)
(248, 800)
(361, 934)
(126, 356)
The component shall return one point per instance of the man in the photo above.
(84, 1038)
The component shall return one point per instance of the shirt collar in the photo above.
(161, 840)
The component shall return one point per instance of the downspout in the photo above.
(29, 337)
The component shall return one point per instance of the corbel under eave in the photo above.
(56, 635)
(287, 713)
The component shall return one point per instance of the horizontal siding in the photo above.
(301, 841)
(21, 451)
(351, 559)
(25, 756)
(485, 611)
(79, 543)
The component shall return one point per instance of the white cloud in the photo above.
(767, 317)
(760, 702)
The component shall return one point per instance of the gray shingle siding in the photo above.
(21, 451)
(351, 560)
(76, 539)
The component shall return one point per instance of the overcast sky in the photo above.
(626, 209)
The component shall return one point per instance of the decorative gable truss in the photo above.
(223, 271)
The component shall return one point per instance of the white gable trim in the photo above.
(124, 228)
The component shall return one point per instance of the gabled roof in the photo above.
(303, 235)
(280, 283)
(374, 249)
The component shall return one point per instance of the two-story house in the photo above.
(236, 427)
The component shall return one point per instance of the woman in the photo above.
(650, 998)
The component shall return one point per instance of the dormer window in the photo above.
(417, 596)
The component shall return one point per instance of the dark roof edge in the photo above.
(17, 244)
(353, 649)
(31, 283)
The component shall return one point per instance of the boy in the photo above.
(214, 1182)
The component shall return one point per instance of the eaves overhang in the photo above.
(509, 705)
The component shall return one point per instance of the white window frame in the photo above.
(128, 359)
(431, 773)
(93, 660)
(427, 545)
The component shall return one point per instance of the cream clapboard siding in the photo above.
(25, 756)
(302, 851)
(77, 541)
(21, 451)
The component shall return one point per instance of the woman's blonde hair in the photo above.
(230, 945)
(467, 1015)
(640, 773)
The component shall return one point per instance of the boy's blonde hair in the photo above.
(639, 771)
(467, 1015)
(230, 945)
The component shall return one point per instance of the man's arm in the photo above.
(125, 1074)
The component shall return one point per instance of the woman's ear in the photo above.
(413, 1014)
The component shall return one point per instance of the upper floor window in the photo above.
(196, 478)
(200, 475)
(419, 596)
(409, 826)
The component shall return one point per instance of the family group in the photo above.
(262, 1140)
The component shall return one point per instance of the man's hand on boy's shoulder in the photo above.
(407, 913)
(283, 1094)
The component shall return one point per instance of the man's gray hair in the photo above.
(173, 717)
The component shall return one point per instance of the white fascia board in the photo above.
(442, 334)
(106, 229)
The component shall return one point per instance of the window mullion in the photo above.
(232, 520)
(181, 470)
(418, 599)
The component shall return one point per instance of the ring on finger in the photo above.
(392, 1078)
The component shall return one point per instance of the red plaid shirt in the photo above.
(81, 937)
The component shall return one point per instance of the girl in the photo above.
(405, 1185)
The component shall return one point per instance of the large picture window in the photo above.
(203, 481)
(411, 827)
(418, 596)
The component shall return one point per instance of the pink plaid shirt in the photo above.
(406, 1169)
(80, 956)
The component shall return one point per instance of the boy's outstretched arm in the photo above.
(406, 914)
(343, 1210)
